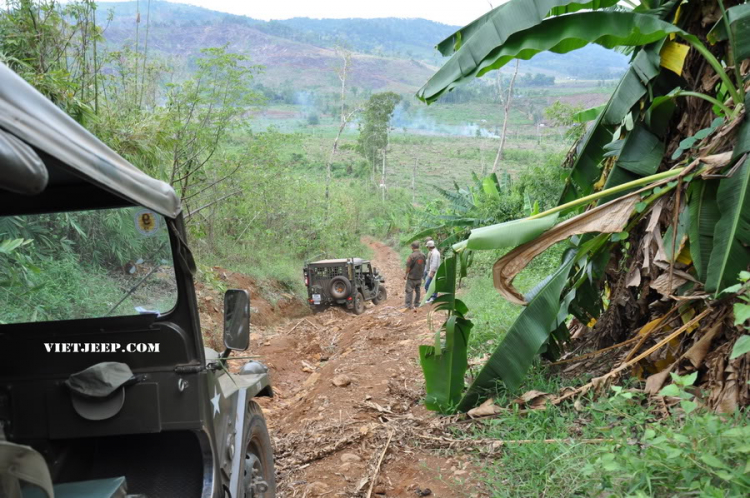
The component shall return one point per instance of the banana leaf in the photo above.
(640, 156)
(491, 186)
(704, 216)
(510, 233)
(487, 50)
(739, 26)
(589, 114)
(590, 152)
(515, 16)
(444, 365)
(514, 355)
(731, 237)
(444, 368)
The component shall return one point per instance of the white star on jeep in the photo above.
(215, 401)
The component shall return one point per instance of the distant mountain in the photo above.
(389, 53)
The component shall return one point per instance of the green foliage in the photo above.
(444, 363)
(513, 357)
(729, 255)
(373, 129)
(561, 114)
(78, 265)
(741, 347)
(694, 140)
(622, 150)
(706, 456)
(53, 45)
(632, 451)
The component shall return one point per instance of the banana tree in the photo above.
(626, 168)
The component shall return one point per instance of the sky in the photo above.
(447, 12)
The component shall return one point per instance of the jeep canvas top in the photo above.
(113, 394)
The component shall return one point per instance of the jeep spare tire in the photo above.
(340, 287)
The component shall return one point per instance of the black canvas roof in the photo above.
(68, 154)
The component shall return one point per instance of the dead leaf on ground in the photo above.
(533, 399)
(486, 409)
(655, 381)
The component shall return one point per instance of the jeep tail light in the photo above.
(349, 298)
(307, 281)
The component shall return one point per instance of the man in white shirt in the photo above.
(431, 268)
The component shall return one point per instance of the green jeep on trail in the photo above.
(350, 282)
(110, 392)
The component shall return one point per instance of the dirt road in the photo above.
(346, 419)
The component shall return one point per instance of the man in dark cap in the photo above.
(415, 264)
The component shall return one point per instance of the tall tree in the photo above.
(344, 117)
(506, 101)
(373, 130)
(198, 115)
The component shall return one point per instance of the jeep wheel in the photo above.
(260, 481)
(381, 296)
(341, 287)
(359, 304)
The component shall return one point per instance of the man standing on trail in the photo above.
(415, 264)
(433, 263)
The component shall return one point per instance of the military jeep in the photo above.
(350, 282)
(106, 389)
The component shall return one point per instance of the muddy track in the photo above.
(346, 419)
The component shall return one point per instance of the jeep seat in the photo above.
(24, 474)
(101, 488)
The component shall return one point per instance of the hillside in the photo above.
(390, 53)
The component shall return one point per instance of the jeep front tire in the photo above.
(381, 296)
(259, 478)
(359, 304)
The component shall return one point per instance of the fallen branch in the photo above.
(502, 442)
(377, 467)
(594, 353)
(662, 321)
(597, 381)
(298, 323)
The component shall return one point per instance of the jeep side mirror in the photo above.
(236, 319)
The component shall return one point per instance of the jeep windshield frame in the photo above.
(53, 164)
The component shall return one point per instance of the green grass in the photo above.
(67, 289)
(637, 454)
(491, 314)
